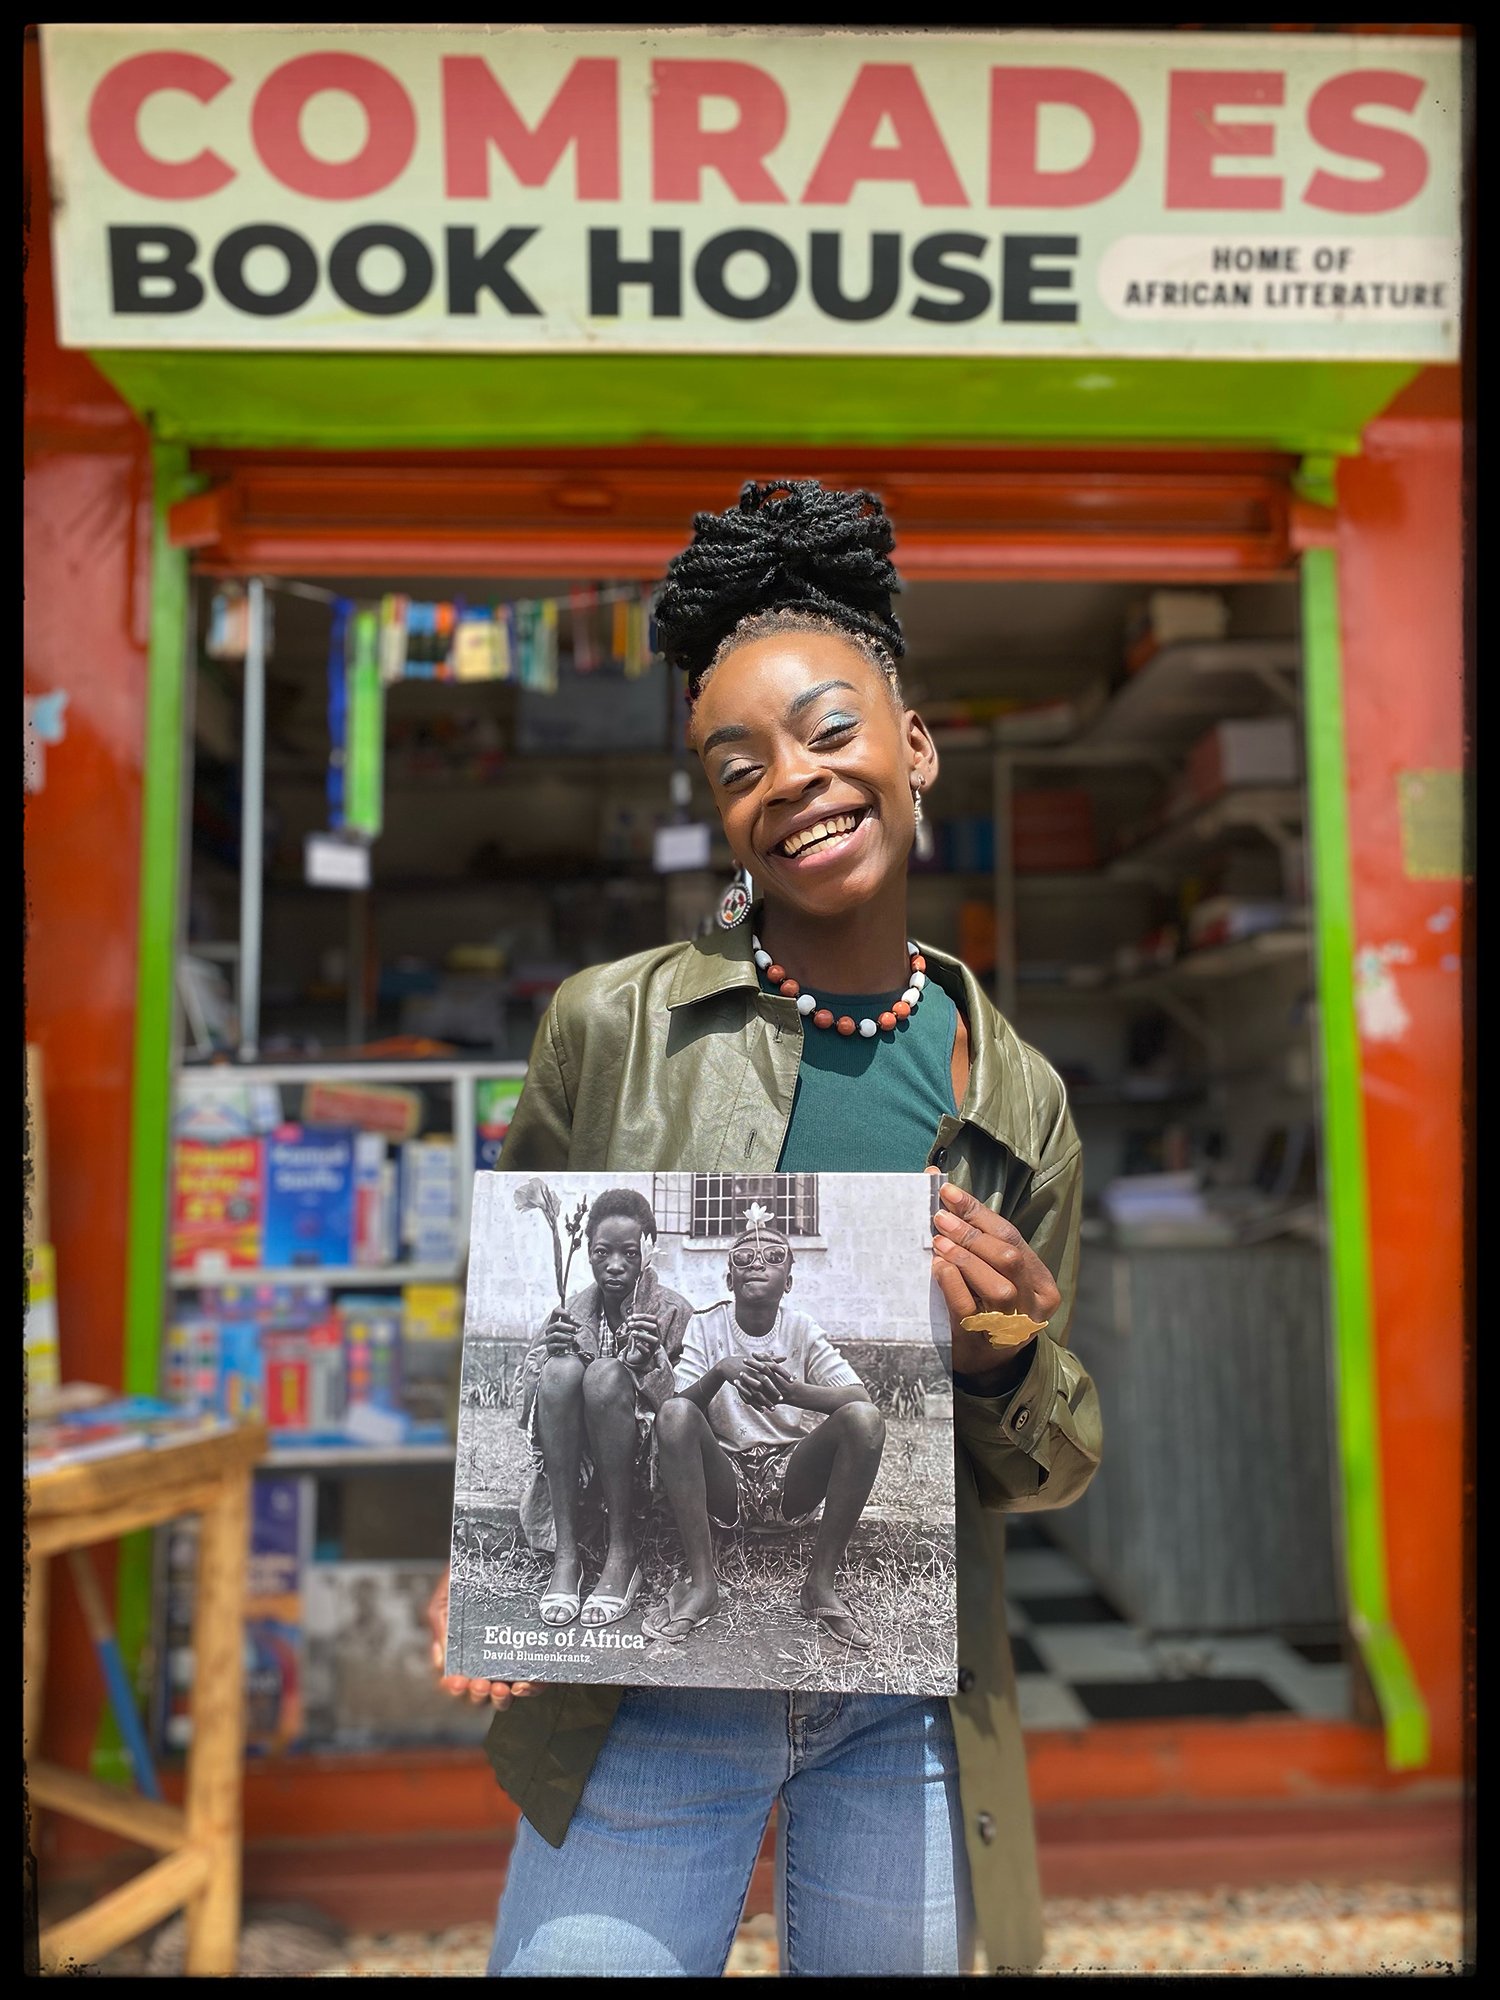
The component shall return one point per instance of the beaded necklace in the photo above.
(845, 1024)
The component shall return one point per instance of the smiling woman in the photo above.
(693, 1057)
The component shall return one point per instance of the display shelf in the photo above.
(1185, 689)
(353, 1457)
(340, 1069)
(1180, 1091)
(1220, 961)
(1273, 810)
(1067, 882)
(1223, 961)
(346, 1277)
(546, 870)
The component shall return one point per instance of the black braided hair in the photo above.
(793, 555)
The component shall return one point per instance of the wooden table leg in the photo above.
(214, 1765)
(34, 1650)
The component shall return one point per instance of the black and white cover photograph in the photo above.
(705, 1434)
(366, 1659)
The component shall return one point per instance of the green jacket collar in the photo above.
(1000, 1098)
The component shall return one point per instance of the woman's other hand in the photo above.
(640, 1339)
(499, 1694)
(982, 1263)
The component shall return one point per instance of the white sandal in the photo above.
(614, 1608)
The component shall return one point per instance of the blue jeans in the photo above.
(872, 1877)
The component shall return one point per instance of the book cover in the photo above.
(309, 1197)
(216, 1205)
(768, 1360)
(374, 1234)
(431, 1322)
(495, 1100)
(371, 1327)
(273, 1685)
(368, 1660)
(281, 1537)
(125, 1423)
(190, 1367)
(429, 1201)
(40, 1335)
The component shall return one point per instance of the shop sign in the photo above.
(756, 191)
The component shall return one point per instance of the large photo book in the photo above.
(705, 1434)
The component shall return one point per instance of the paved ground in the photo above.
(1372, 1927)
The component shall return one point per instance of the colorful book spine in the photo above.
(429, 1201)
(216, 1205)
(309, 1216)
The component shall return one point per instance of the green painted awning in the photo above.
(329, 402)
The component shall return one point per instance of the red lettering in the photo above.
(886, 90)
(276, 126)
(1195, 139)
(1402, 158)
(681, 149)
(1016, 99)
(477, 114)
(114, 117)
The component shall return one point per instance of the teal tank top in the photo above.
(871, 1105)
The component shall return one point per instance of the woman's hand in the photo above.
(499, 1694)
(560, 1333)
(982, 1263)
(640, 1337)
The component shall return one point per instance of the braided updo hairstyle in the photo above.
(793, 556)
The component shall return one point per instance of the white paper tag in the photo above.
(678, 847)
(331, 863)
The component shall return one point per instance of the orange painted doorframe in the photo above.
(1401, 596)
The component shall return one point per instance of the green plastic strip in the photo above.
(364, 748)
(361, 402)
(1402, 1709)
(150, 1120)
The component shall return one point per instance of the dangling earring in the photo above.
(923, 844)
(734, 904)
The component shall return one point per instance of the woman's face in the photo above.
(811, 762)
(615, 1255)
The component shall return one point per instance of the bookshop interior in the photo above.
(465, 788)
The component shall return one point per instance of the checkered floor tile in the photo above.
(1079, 1661)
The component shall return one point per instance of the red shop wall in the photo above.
(86, 580)
(1401, 579)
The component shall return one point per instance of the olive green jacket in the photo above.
(675, 1060)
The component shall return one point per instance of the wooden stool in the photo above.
(78, 1505)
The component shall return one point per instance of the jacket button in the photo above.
(965, 1679)
(986, 1827)
(940, 1157)
(1019, 1421)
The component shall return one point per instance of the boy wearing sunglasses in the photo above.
(769, 1424)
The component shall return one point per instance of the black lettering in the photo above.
(662, 271)
(301, 269)
(129, 272)
(929, 263)
(416, 269)
(1021, 278)
(781, 273)
(472, 271)
(825, 278)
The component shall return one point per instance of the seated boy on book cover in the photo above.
(769, 1424)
